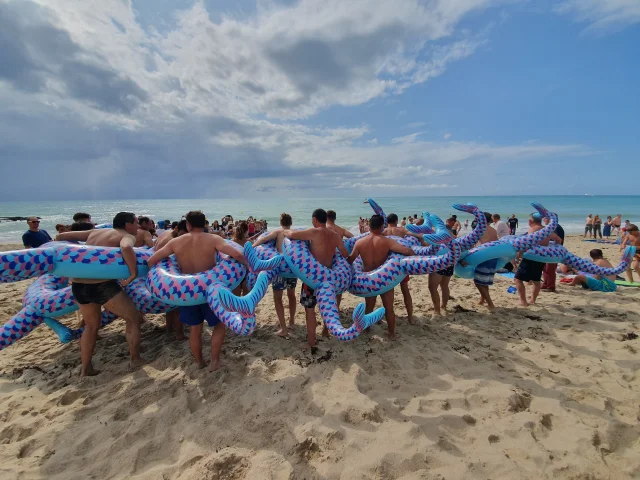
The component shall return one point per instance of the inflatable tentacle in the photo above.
(526, 242)
(424, 229)
(64, 333)
(258, 265)
(22, 264)
(468, 241)
(18, 326)
(559, 254)
(418, 265)
(245, 306)
(328, 307)
(378, 210)
(236, 322)
(441, 235)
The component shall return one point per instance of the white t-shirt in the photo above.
(501, 228)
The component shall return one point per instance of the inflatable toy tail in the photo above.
(245, 306)
(378, 210)
(365, 320)
(530, 240)
(22, 264)
(467, 242)
(441, 236)
(18, 326)
(257, 265)
(425, 228)
(236, 322)
(65, 334)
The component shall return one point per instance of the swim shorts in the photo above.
(600, 285)
(100, 293)
(281, 283)
(195, 314)
(447, 272)
(529, 271)
(485, 272)
(308, 297)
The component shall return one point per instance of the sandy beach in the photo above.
(550, 391)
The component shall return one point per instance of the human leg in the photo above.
(390, 316)
(434, 282)
(91, 314)
(277, 301)
(444, 286)
(408, 301)
(291, 295)
(217, 339)
(123, 306)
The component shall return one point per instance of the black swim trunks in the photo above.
(308, 297)
(99, 293)
(529, 271)
(447, 272)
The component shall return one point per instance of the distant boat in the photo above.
(588, 195)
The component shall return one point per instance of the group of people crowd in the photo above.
(194, 243)
(596, 228)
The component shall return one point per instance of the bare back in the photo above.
(165, 238)
(604, 263)
(323, 245)
(490, 235)
(337, 229)
(374, 251)
(107, 237)
(196, 251)
(395, 231)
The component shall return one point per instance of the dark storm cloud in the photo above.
(33, 50)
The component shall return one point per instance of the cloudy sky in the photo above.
(185, 98)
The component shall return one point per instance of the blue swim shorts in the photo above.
(281, 283)
(485, 272)
(195, 314)
(600, 285)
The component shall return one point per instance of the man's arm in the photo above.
(343, 249)
(76, 236)
(555, 238)
(224, 247)
(396, 247)
(161, 254)
(148, 239)
(129, 257)
(346, 233)
(267, 238)
(306, 234)
(354, 254)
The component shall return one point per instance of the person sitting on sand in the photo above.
(92, 294)
(530, 270)
(597, 283)
(279, 284)
(632, 238)
(323, 246)
(393, 230)
(196, 252)
(374, 250)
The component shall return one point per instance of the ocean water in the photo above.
(571, 210)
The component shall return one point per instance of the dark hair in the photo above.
(487, 215)
(392, 218)
(175, 224)
(331, 215)
(121, 219)
(60, 226)
(182, 225)
(404, 218)
(195, 218)
(81, 226)
(240, 232)
(376, 222)
(320, 215)
(451, 218)
(595, 253)
(415, 215)
(285, 220)
(80, 217)
(496, 215)
(142, 220)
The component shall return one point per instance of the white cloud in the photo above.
(603, 15)
(373, 141)
(447, 136)
(407, 138)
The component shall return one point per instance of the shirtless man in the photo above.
(172, 318)
(143, 237)
(280, 283)
(632, 238)
(92, 294)
(331, 225)
(195, 253)
(374, 250)
(323, 246)
(530, 270)
(616, 223)
(486, 271)
(393, 230)
(597, 283)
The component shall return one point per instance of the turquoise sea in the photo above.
(572, 210)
